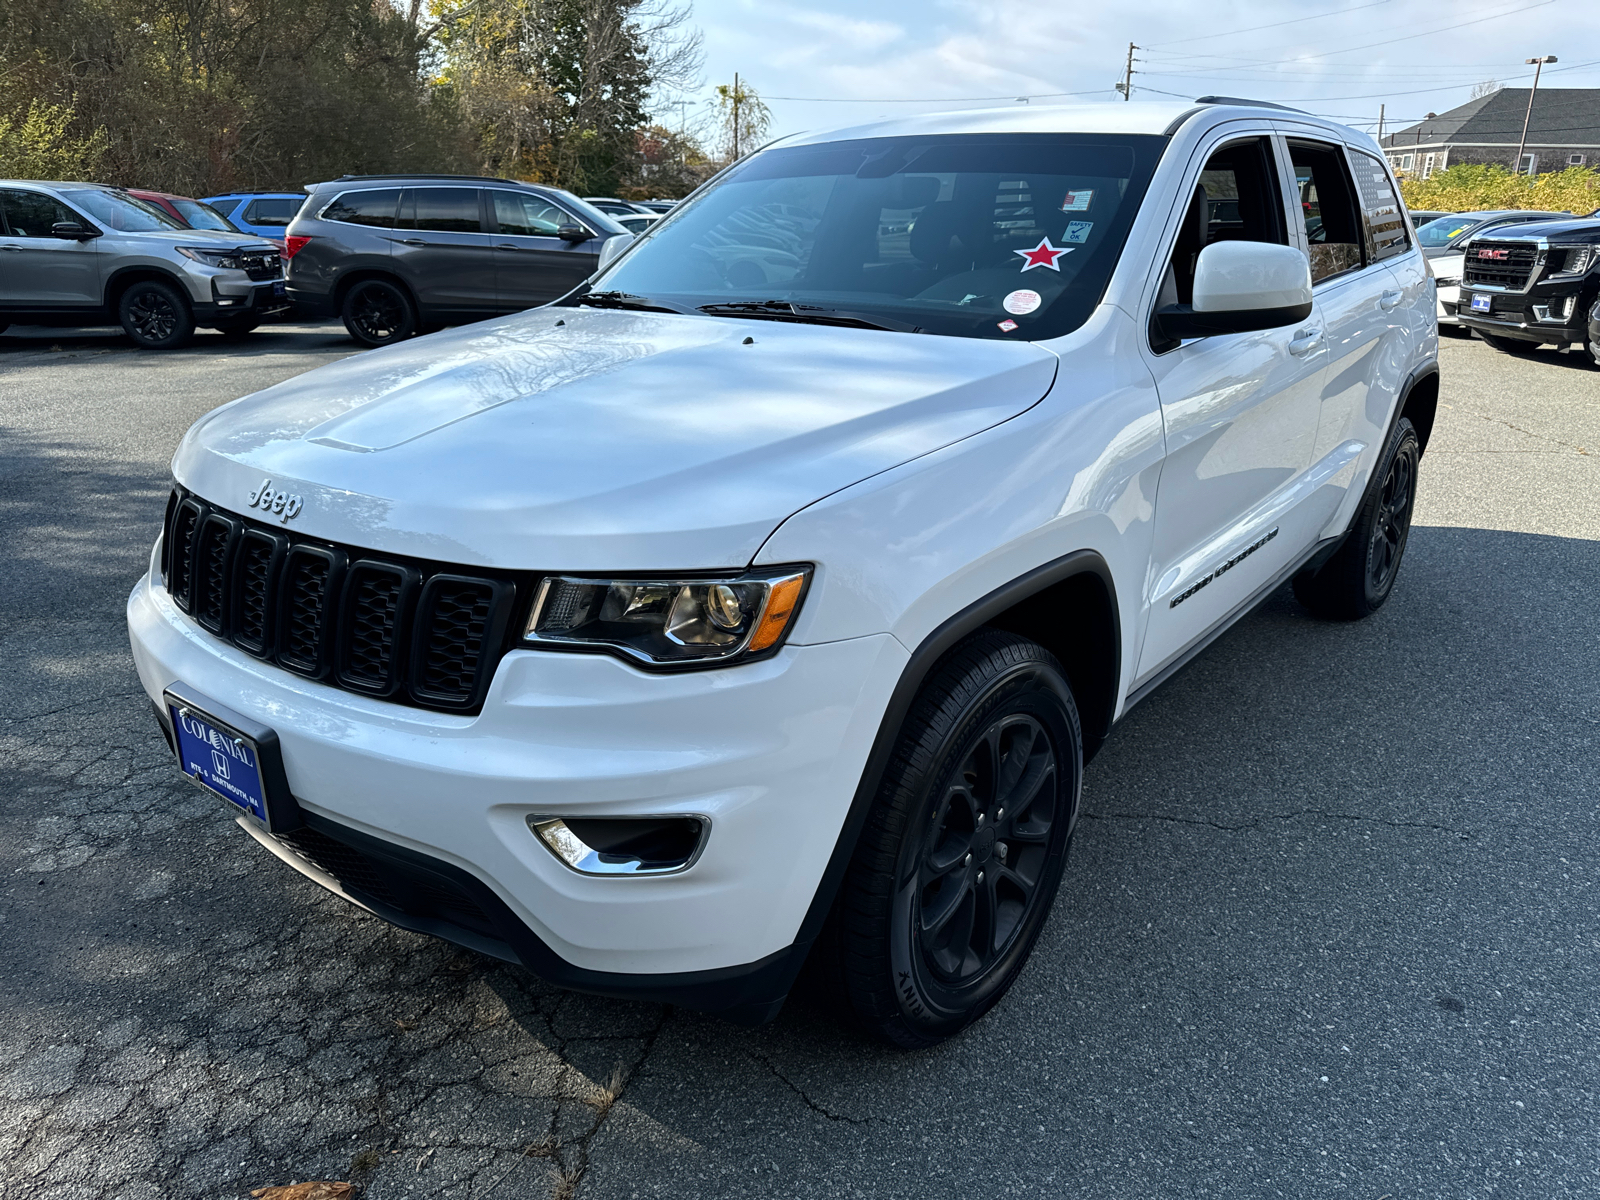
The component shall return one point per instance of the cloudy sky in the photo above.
(825, 63)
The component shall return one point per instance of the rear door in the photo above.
(1359, 310)
(444, 252)
(38, 269)
(532, 265)
(1240, 413)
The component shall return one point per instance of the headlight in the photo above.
(670, 622)
(1575, 259)
(226, 260)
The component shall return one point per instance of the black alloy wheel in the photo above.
(378, 313)
(1357, 580)
(964, 847)
(979, 863)
(155, 315)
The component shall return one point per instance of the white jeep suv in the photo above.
(768, 594)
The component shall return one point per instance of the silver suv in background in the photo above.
(395, 254)
(87, 254)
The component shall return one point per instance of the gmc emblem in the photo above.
(1495, 255)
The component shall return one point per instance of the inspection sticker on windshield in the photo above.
(1078, 201)
(1021, 302)
(1078, 231)
(1008, 324)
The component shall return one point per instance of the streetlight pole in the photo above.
(1538, 65)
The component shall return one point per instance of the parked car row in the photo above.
(391, 255)
(1518, 279)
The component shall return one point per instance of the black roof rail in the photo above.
(1247, 103)
(426, 175)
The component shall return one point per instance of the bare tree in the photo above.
(1487, 88)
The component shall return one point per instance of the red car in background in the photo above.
(193, 214)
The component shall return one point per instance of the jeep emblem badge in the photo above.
(268, 500)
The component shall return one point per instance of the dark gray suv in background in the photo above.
(395, 254)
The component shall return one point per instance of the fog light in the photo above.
(622, 845)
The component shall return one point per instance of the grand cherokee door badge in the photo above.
(1223, 569)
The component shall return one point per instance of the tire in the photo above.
(961, 855)
(378, 313)
(155, 315)
(1509, 345)
(238, 329)
(1356, 581)
(1592, 346)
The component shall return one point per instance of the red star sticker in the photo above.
(1042, 255)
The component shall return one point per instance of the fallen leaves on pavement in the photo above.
(316, 1189)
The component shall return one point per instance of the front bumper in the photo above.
(1448, 298)
(1543, 314)
(769, 753)
(240, 301)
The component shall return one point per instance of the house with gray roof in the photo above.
(1563, 132)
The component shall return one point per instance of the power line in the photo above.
(1338, 12)
(934, 99)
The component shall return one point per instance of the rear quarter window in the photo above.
(375, 207)
(1382, 217)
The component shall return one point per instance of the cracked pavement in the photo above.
(1329, 926)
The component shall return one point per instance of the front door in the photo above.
(1240, 413)
(532, 265)
(443, 251)
(38, 269)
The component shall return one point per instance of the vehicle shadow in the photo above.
(20, 341)
(1321, 898)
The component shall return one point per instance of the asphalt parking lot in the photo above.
(1329, 928)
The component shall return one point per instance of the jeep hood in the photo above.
(600, 440)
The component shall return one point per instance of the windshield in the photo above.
(992, 235)
(118, 211)
(1444, 230)
(203, 216)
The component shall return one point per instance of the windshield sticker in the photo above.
(1042, 255)
(1078, 201)
(1008, 324)
(1078, 231)
(1021, 302)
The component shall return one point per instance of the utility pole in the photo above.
(736, 116)
(1381, 108)
(1126, 86)
(1538, 65)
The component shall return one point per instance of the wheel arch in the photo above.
(1047, 605)
(1419, 401)
(345, 282)
(125, 277)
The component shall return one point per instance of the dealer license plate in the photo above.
(220, 759)
(1481, 304)
(278, 288)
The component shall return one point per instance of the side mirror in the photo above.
(1240, 287)
(573, 233)
(611, 248)
(72, 231)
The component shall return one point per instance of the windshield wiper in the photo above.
(784, 310)
(628, 300)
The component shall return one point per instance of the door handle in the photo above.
(412, 242)
(1389, 300)
(1305, 341)
(13, 249)
(504, 246)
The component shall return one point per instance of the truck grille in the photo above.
(265, 264)
(415, 632)
(1500, 264)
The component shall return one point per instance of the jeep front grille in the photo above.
(1500, 264)
(416, 632)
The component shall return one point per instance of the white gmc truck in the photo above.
(766, 596)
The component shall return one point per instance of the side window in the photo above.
(1381, 214)
(31, 214)
(374, 208)
(1238, 199)
(526, 214)
(1328, 203)
(225, 206)
(272, 211)
(446, 210)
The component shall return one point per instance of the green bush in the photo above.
(1470, 187)
(37, 145)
